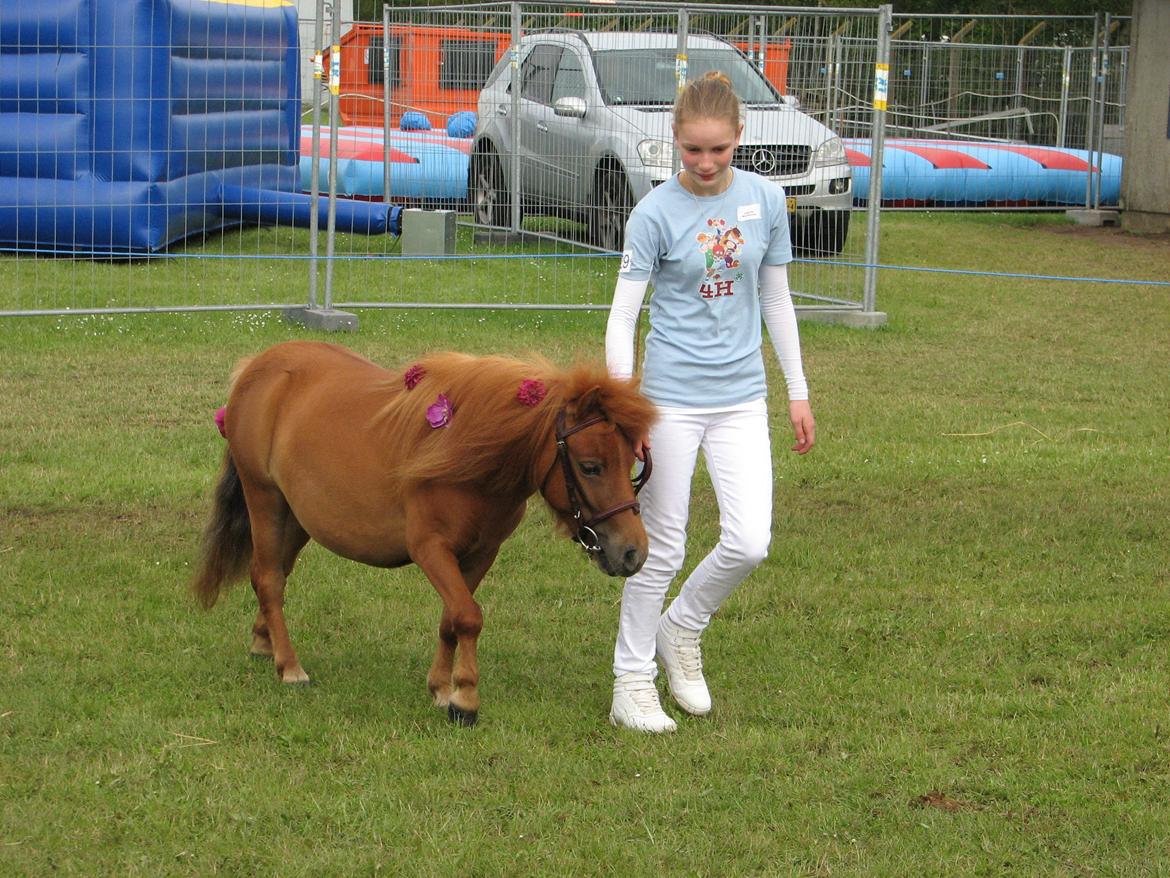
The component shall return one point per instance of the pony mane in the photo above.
(494, 439)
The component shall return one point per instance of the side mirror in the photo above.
(571, 107)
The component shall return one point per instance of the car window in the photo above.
(570, 78)
(647, 76)
(538, 72)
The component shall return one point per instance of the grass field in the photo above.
(956, 660)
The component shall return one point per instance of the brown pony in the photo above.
(432, 464)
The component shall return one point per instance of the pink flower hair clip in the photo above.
(413, 376)
(439, 412)
(531, 391)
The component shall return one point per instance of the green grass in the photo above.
(259, 268)
(956, 660)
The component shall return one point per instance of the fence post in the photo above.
(334, 106)
(1090, 132)
(386, 103)
(315, 164)
(514, 118)
(877, 148)
(1018, 98)
(312, 316)
(1097, 157)
(1065, 83)
(680, 74)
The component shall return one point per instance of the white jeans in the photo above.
(738, 453)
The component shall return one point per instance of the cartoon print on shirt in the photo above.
(721, 249)
(732, 241)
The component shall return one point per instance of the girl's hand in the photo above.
(803, 425)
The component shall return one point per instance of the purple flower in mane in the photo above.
(531, 391)
(439, 412)
(413, 376)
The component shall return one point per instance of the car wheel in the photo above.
(821, 234)
(490, 203)
(614, 203)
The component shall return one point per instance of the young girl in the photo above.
(714, 243)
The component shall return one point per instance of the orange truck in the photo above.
(438, 71)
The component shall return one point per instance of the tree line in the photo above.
(371, 10)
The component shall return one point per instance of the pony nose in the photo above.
(632, 560)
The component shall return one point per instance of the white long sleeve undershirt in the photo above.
(780, 318)
(619, 331)
(775, 306)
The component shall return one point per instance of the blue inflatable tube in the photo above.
(423, 164)
(924, 172)
(266, 207)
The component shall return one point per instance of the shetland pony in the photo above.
(431, 464)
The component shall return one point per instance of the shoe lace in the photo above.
(688, 654)
(644, 696)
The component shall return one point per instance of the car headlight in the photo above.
(831, 152)
(657, 153)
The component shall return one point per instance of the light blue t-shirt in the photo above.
(703, 258)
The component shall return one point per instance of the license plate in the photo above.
(790, 200)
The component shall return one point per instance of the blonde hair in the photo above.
(711, 96)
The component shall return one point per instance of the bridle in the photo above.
(586, 535)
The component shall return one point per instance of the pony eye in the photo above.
(589, 468)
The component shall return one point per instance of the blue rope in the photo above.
(1011, 274)
(134, 257)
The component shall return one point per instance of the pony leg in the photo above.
(439, 676)
(272, 558)
(295, 539)
(261, 641)
(454, 676)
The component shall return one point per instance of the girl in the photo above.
(714, 242)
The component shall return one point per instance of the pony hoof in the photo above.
(466, 718)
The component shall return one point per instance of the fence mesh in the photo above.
(153, 159)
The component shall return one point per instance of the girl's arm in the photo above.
(780, 318)
(619, 331)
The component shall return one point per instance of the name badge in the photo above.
(748, 212)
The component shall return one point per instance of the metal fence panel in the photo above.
(575, 126)
(243, 236)
(1012, 81)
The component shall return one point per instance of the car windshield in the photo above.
(646, 76)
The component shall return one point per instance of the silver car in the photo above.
(594, 135)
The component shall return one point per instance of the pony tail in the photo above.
(227, 539)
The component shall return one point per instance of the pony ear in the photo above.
(589, 401)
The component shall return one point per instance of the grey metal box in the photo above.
(428, 232)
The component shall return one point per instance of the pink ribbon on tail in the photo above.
(220, 415)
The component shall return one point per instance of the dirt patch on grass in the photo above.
(940, 801)
(1114, 236)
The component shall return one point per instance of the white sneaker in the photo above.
(636, 706)
(678, 650)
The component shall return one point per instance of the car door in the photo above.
(537, 73)
(567, 138)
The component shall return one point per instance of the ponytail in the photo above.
(711, 96)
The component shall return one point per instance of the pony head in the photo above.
(588, 485)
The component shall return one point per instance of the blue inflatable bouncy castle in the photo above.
(126, 125)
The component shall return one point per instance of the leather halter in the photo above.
(586, 535)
